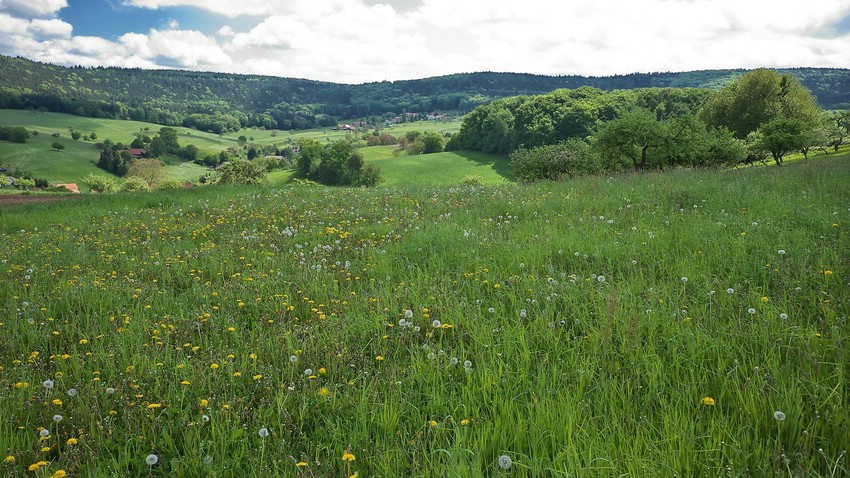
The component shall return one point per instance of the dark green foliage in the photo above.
(555, 161)
(780, 136)
(14, 134)
(76, 135)
(338, 163)
(57, 146)
(220, 102)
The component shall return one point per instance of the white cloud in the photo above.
(370, 40)
(50, 28)
(32, 8)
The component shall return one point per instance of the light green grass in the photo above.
(594, 316)
(447, 168)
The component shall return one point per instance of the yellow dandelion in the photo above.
(827, 272)
(9, 460)
(185, 382)
(204, 402)
(301, 464)
(45, 449)
(707, 401)
(34, 467)
(237, 374)
(83, 341)
(433, 423)
(213, 365)
(347, 456)
(379, 358)
(464, 422)
(71, 441)
(324, 391)
(322, 371)
(765, 299)
(154, 405)
(59, 474)
(258, 376)
(56, 401)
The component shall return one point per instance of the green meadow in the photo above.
(684, 323)
(79, 157)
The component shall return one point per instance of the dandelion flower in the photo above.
(730, 291)
(505, 462)
(205, 418)
(57, 418)
(464, 422)
(59, 474)
(293, 359)
(72, 392)
(301, 464)
(433, 423)
(9, 460)
(48, 384)
(347, 456)
(436, 324)
(154, 405)
(783, 316)
(779, 416)
(827, 273)
(71, 441)
(204, 402)
(151, 459)
(684, 279)
(781, 252)
(751, 311)
(408, 314)
(44, 433)
(57, 402)
(264, 432)
(707, 401)
(600, 279)
(110, 390)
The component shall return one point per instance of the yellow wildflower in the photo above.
(59, 474)
(347, 456)
(56, 401)
(204, 402)
(154, 405)
(707, 401)
(301, 464)
(71, 441)
(213, 365)
(464, 422)
(9, 460)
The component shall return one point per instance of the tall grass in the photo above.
(609, 326)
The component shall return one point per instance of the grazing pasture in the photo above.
(670, 324)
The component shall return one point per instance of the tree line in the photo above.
(222, 103)
(761, 114)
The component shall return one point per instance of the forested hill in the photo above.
(221, 102)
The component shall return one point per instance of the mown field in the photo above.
(669, 324)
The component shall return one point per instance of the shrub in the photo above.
(473, 180)
(100, 184)
(134, 184)
(170, 184)
(370, 175)
(571, 158)
(242, 172)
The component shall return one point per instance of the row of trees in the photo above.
(760, 114)
(337, 163)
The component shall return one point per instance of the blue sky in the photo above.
(354, 41)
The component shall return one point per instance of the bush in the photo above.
(170, 184)
(571, 158)
(370, 175)
(134, 184)
(100, 184)
(242, 172)
(473, 180)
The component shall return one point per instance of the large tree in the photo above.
(757, 98)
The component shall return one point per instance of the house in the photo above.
(137, 153)
(69, 186)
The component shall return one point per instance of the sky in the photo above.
(359, 41)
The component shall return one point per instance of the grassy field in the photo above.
(75, 161)
(448, 168)
(669, 324)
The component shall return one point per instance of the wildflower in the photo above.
(44, 433)
(58, 474)
(324, 391)
(185, 382)
(293, 359)
(379, 358)
(110, 390)
(34, 467)
(436, 324)
(779, 416)
(48, 384)
(707, 401)
(505, 462)
(765, 299)
(408, 314)
(71, 441)
(308, 371)
(730, 291)
(151, 459)
(264, 432)
(154, 405)
(523, 313)
(464, 422)
(783, 316)
(684, 279)
(322, 371)
(259, 376)
(204, 402)
(57, 418)
(751, 311)
(205, 418)
(600, 279)
(781, 252)
(492, 310)
(827, 273)
(9, 460)
(301, 464)
(57, 402)
(347, 456)
(433, 423)
(213, 365)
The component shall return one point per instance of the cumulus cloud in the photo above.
(32, 8)
(371, 40)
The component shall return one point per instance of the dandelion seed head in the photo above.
(751, 311)
(783, 316)
(408, 314)
(72, 392)
(436, 324)
(730, 291)
(57, 418)
(505, 462)
(44, 432)
(263, 432)
(600, 279)
(48, 384)
(110, 390)
(293, 359)
(779, 416)
(684, 279)
(151, 459)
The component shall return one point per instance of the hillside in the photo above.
(225, 102)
